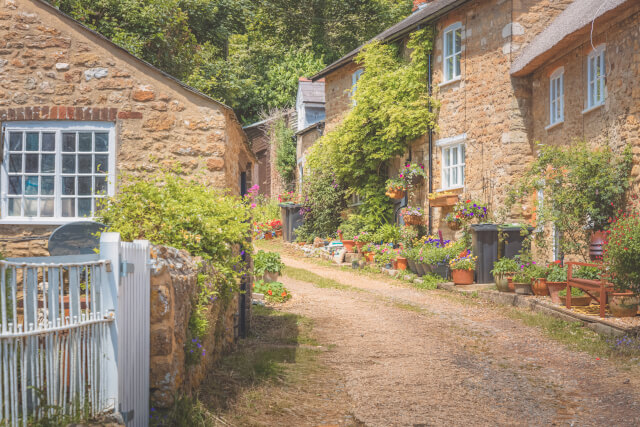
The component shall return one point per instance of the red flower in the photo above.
(284, 294)
(270, 293)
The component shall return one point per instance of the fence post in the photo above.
(110, 250)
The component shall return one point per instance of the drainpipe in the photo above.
(429, 77)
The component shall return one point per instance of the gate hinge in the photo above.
(126, 268)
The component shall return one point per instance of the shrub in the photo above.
(324, 200)
(504, 266)
(557, 273)
(388, 233)
(622, 252)
(587, 272)
(267, 262)
(273, 291)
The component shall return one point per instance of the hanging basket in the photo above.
(395, 193)
(454, 225)
(413, 219)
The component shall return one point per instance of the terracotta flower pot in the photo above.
(359, 245)
(502, 282)
(510, 285)
(596, 245)
(624, 304)
(554, 288)
(349, 245)
(278, 233)
(523, 288)
(539, 287)
(401, 263)
(369, 256)
(583, 301)
(462, 277)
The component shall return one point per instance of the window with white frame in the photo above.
(354, 83)
(452, 51)
(453, 161)
(556, 97)
(596, 77)
(56, 172)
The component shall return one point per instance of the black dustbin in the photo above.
(291, 219)
(492, 242)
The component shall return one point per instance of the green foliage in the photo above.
(575, 292)
(284, 139)
(387, 233)
(273, 291)
(622, 252)
(267, 262)
(265, 210)
(557, 273)
(393, 108)
(352, 226)
(583, 189)
(505, 266)
(587, 272)
(324, 200)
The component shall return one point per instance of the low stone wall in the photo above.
(173, 289)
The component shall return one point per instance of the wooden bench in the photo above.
(590, 287)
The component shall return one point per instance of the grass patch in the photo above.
(410, 307)
(317, 280)
(429, 282)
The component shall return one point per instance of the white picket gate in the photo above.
(60, 346)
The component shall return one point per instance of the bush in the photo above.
(504, 265)
(273, 291)
(622, 252)
(264, 262)
(388, 233)
(324, 200)
(557, 273)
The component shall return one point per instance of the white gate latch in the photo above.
(126, 268)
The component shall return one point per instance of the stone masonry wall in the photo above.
(173, 288)
(53, 69)
(337, 93)
(617, 122)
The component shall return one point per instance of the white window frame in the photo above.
(448, 145)
(58, 128)
(354, 84)
(556, 97)
(596, 82)
(454, 53)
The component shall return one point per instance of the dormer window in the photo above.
(452, 52)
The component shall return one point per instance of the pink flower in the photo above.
(253, 205)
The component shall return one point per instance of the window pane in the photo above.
(15, 185)
(102, 163)
(15, 141)
(48, 163)
(102, 140)
(47, 185)
(31, 185)
(456, 72)
(69, 163)
(68, 185)
(447, 161)
(69, 142)
(101, 185)
(14, 207)
(84, 207)
(84, 163)
(454, 176)
(447, 180)
(33, 141)
(84, 186)
(462, 154)
(48, 142)
(31, 163)
(448, 43)
(31, 207)
(454, 156)
(15, 163)
(46, 207)
(449, 68)
(68, 207)
(84, 144)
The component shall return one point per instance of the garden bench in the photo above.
(590, 287)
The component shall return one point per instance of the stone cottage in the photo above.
(77, 111)
(483, 139)
(310, 110)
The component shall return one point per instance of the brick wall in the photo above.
(52, 69)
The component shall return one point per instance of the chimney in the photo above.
(419, 4)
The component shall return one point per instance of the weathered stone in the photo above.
(95, 73)
(159, 122)
(86, 60)
(215, 163)
(161, 341)
(143, 94)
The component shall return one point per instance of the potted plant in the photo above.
(402, 260)
(502, 270)
(368, 250)
(362, 239)
(412, 215)
(463, 268)
(538, 274)
(396, 188)
(621, 256)
(454, 223)
(384, 258)
(578, 297)
(267, 265)
(522, 283)
(556, 280)
(413, 173)
(276, 226)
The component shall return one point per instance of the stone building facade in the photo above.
(77, 111)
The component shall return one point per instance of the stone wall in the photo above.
(617, 122)
(51, 68)
(337, 94)
(173, 288)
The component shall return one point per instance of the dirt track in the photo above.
(410, 357)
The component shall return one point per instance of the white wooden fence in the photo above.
(66, 334)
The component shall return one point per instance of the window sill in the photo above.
(590, 109)
(442, 190)
(43, 221)
(553, 125)
(452, 81)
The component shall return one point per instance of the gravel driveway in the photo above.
(410, 357)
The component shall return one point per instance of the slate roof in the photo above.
(573, 23)
(311, 92)
(428, 12)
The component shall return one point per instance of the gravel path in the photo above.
(441, 361)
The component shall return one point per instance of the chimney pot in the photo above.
(418, 4)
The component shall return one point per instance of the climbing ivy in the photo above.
(392, 108)
(283, 137)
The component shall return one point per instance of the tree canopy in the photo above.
(247, 54)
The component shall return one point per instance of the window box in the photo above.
(443, 201)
